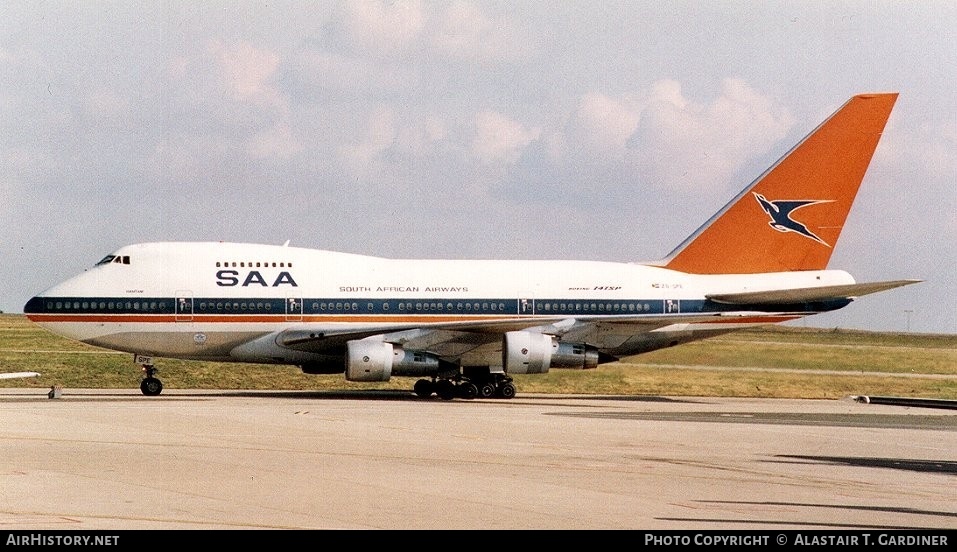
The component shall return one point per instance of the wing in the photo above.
(480, 342)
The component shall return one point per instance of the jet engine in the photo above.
(378, 361)
(534, 353)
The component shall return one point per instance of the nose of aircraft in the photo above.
(34, 305)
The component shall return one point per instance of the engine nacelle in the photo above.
(368, 361)
(534, 353)
(415, 363)
(378, 361)
(574, 356)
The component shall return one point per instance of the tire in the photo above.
(468, 390)
(487, 390)
(445, 389)
(506, 391)
(151, 387)
(423, 388)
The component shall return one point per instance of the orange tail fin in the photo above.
(791, 217)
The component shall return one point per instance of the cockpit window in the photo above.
(119, 259)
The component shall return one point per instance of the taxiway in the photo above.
(107, 459)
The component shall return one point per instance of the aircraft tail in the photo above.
(791, 217)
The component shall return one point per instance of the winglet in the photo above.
(790, 218)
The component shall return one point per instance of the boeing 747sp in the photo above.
(465, 327)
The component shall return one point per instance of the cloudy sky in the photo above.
(465, 129)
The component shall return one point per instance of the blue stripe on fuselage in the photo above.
(378, 306)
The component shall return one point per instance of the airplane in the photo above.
(465, 327)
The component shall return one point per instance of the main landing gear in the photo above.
(487, 386)
(151, 385)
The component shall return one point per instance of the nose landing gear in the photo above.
(151, 385)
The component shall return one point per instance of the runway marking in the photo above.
(880, 421)
(796, 371)
(45, 517)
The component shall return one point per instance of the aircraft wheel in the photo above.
(468, 390)
(487, 391)
(506, 391)
(424, 388)
(151, 387)
(445, 389)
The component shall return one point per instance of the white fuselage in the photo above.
(203, 300)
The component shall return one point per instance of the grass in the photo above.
(779, 362)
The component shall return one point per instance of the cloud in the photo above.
(380, 133)
(228, 98)
(500, 140)
(249, 72)
(421, 35)
(396, 150)
(465, 32)
(376, 28)
(323, 75)
(658, 139)
(109, 108)
(683, 144)
(607, 122)
(277, 141)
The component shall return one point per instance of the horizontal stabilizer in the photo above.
(803, 295)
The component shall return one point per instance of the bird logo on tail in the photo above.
(780, 213)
